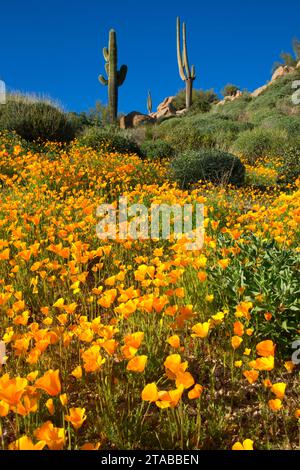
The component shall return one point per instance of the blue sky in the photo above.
(55, 46)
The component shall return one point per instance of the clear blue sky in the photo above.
(55, 46)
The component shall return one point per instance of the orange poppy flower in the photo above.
(25, 443)
(137, 364)
(54, 437)
(50, 383)
(265, 348)
(76, 417)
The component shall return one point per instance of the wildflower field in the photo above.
(132, 344)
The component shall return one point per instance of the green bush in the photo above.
(259, 142)
(290, 124)
(207, 165)
(111, 139)
(202, 100)
(236, 110)
(290, 169)
(35, 120)
(196, 132)
(157, 149)
(230, 90)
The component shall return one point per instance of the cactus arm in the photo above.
(105, 54)
(149, 103)
(193, 75)
(185, 54)
(179, 56)
(103, 80)
(121, 75)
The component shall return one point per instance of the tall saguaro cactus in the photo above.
(115, 77)
(187, 74)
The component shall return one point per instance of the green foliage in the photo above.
(157, 149)
(290, 170)
(236, 110)
(202, 100)
(207, 165)
(97, 116)
(262, 264)
(230, 90)
(195, 132)
(259, 142)
(288, 58)
(110, 139)
(290, 124)
(36, 120)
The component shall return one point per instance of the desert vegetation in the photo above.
(124, 343)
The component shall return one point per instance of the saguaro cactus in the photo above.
(149, 102)
(115, 77)
(187, 74)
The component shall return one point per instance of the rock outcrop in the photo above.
(259, 91)
(237, 95)
(134, 119)
(281, 72)
(165, 109)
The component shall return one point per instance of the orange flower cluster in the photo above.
(102, 336)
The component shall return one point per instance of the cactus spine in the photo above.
(149, 103)
(187, 74)
(115, 77)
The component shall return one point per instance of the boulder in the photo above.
(281, 72)
(134, 119)
(181, 112)
(259, 91)
(165, 109)
(237, 95)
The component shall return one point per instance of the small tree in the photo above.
(230, 90)
(289, 59)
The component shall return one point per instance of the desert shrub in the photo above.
(34, 120)
(289, 59)
(259, 142)
(290, 124)
(230, 90)
(236, 110)
(157, 149)
(165, 127)
(207, 165)
(110, 139)
(202, 100)
(275, 94)
(290, 169)
(196, 132)
(188, 137)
